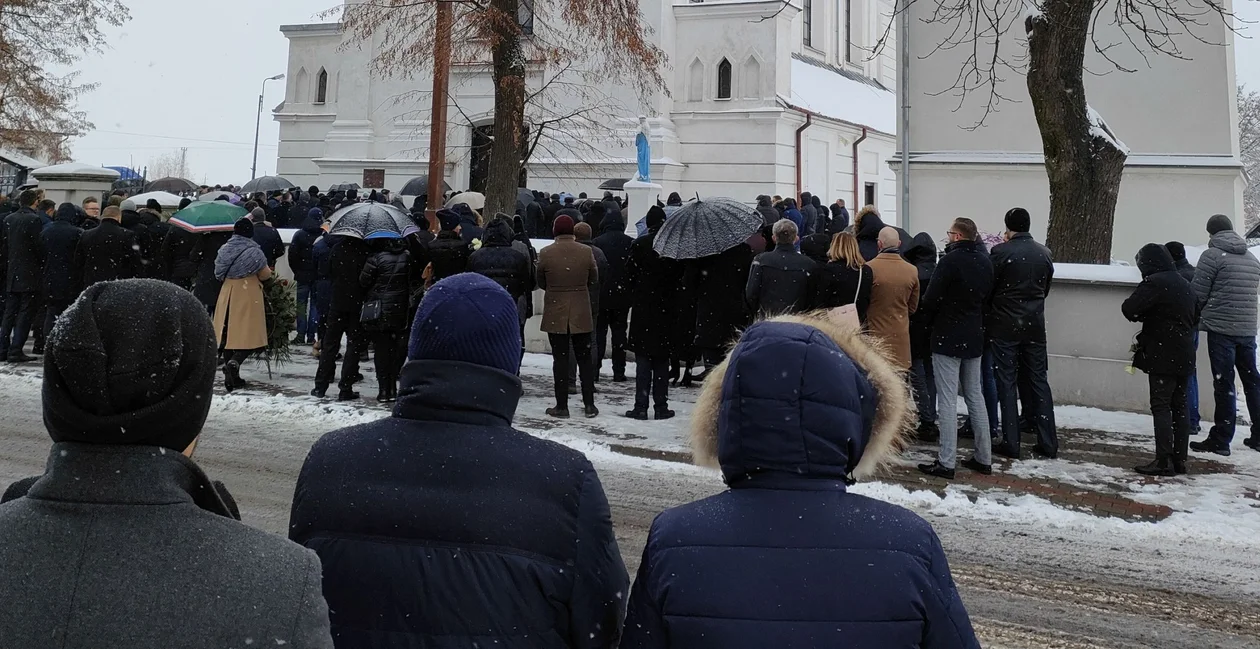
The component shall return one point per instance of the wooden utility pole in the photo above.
(437, 125)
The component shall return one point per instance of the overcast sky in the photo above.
(167, 82)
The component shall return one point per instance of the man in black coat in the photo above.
(448, 253)
(349, 256)
(302, 263)
(549, 212)
(507, 266)
(480, 533)
(107, 252)
(921, 253)
(61, 240)
(781, 280)
(615, 295)
(654, 282)
(22, 257)
(955, 304)
(147, 237)
(809, 213)
(267, 237)
(1165, 305)
(1022, 273)
(769, 215)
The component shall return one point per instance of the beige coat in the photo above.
(894, 296)
(241, 303)
(566, 271)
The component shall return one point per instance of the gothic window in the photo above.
(695, 81)
(301, 86)
(724, 80)
(525, 16)
(807, 30)
(321, 86)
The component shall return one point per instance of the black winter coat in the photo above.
(175, 258)
(1185, 269)
(107, 253)
(922, 253)
(613, 240)
(301, 258)
(149, 236)
(653, 281)
(349, 256)
(1022, 273)
(717, 282)
(601, 266)
(204, 252)
(535, 222)
(269, 240)
(781, 281)
(449, 255)
(956, 298)
(838, 285)
(387, 278)
(482, 535)
(549, 212)
(61, 241)
(1165, 305)
(499, 261)
(769, 215)
(22, 251)
(868, 236)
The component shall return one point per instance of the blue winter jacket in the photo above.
(442, 527)
(787, 558)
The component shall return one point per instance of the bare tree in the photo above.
(1249, 150)
(38, 108)
(172, 164)
(604, 35)
(1083, 157)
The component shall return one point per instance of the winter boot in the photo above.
(228, 383)
(347, 395)
(591, 412)
(1160, 468)
(1179, 466)
(235, 369)
(664, 413)
(640, 415)
(1006, 450)
(1252, 442)
(928, 432)
(974, 465)
(320, 392)
(938, 470)
(1211, 445)
(382, 394)
(558, 413)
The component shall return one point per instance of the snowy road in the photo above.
(1031, 575)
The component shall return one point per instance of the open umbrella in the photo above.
(706, 227)
(419, 186)
(475, 200)
(615, 184)
(344, 187)
(372, 221)
(202, 217)
(267, 184)
(172, 185)
(165, 199)
(214, 196)
(523, 198)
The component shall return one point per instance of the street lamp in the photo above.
(253, 172)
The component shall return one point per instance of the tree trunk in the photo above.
(509, 113)
(1083, 163)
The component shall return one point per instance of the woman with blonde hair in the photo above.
(845, 279)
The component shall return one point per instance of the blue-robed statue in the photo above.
(643, 143)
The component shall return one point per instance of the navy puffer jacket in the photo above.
(787, 558)
(442, 527)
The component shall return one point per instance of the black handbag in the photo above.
(372, 312)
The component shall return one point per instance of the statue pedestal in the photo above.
(642, 197)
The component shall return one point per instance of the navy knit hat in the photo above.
(449, 219)
(1018, 220)
(469, 318)
(1218, 224)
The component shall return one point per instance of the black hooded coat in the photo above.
(1165, 305)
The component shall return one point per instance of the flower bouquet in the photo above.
(280, 304)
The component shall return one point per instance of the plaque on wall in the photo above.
(373, 178)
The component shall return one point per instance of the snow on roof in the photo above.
(21, 160)
(834, 95)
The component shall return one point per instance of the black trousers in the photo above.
(1021, 369)
(339, 323)
(617, 320)
(651, 380)
(53, 310)
(1169, 409)
(560, 367)
(40, 308)
(15, 326)
(389, 356)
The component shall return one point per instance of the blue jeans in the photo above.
(1229, 353)
(305, 305)
(990, 389)
(1192, 393)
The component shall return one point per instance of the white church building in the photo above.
(763, 99)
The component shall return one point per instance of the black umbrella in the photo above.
(706, 227)
(523, 198)
(267, 184)
(372, 221)
(615, 184)
(172, 185)
(419, 186)
(344, 187)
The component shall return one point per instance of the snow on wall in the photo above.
(833, 95)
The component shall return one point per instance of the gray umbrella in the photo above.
(419, 186)
(372, 221)
(706, 227)
(267, 184)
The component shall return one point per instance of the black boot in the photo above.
(1160, 468)
(237, 381)
(382, 394)
(228, 383)
(347, 395)
(320, 392)
(640, 415)
(938, 470)
(1211, 445)
(664, 413)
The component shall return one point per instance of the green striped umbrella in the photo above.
(214, 216)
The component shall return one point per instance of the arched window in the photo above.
(724, 80)
(695, 81)
(750, 86)
(321, 86)
(301, 86)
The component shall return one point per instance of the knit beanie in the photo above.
(1218, 224)
(130, 362)
(128, 205)
(258, 215)
(449, 219)
(582, 232)
(244, 228)
(563, 225)
(1018, 220)
(655, 217)
(1177, 249)
(470, 318)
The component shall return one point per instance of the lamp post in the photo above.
(253, 172)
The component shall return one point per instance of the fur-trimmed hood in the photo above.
(802, 395)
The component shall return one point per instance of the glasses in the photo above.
(953, 233)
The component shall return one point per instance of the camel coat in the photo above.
(241, 304)
(566, 271)
(894, 296)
